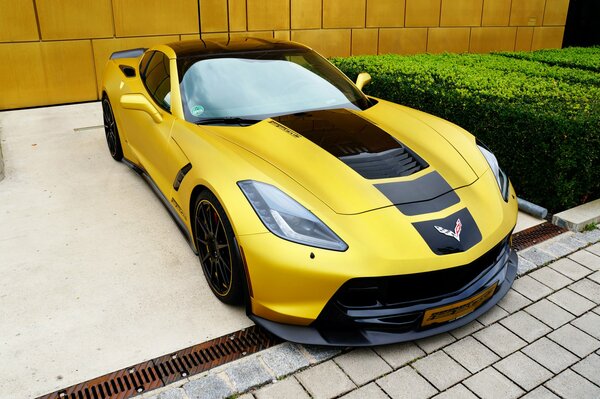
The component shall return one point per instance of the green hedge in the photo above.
(587, 58)
(541, 120)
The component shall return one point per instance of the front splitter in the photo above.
(364, 337)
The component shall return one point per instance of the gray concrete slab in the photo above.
(577, 218)
(95, 274)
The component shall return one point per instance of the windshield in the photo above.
(258, 85)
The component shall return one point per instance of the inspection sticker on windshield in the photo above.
(197, 110)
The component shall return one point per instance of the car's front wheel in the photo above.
(111, 131)
(219, 256)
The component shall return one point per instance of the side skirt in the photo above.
(180, 224)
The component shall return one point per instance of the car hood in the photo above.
(357, 161)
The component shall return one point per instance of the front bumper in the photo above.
(390, 318)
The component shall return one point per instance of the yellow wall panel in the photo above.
(57, 72)
(343, 13)
(524, 38)
(268, 15)
(103, 48)
(281, 34)
(364, 41)
(402, 40)
(75, 19)
(267, 34)
(328, 42)
(484, 40)
(385, 13)
(155, 17)
(496, 12)
(452, 40)
(237, 15)
(556, 12)
(220, 36)
(547, 37)
(213, 15)
(527, 12)
(69, 70)
(306, 14)
(422, 13)
(19, 89)
(461, 12)
(17, 21)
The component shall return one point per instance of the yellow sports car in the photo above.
(335, 217)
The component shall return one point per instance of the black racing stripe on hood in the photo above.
(429, 193)
(441, 234)
(360, 144)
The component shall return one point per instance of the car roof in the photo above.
(202, 47)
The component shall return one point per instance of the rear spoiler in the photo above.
(133, 53)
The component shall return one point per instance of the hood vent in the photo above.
(359, 143)
(391, 163)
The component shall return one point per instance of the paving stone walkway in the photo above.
(541, 341)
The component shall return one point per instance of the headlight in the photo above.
(501, 177)
(287, 219)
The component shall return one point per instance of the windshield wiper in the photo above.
(227, 121)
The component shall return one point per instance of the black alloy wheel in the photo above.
(111, 131)
(218, 254)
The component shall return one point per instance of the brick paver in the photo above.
(589, 289)
(436, 342)
(551, 278)
(499, 339)
(571, 385)
(325, 380)
(587, 259)
(550, 313)
(399, 354)
(589, 368)
(289, 388)
(523, 370)
(471, 354)
(513, 301)
(440, 370)
(490, 384)
(456, 392)
(405, 383)
(371, 391)
(571, 301)
(574, 340)
(590, 323)
(531, 288)
(362, 365)
(525, 326)
(550, 355)
(541, 341)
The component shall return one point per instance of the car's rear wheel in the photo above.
(111, 131)
(219, 256)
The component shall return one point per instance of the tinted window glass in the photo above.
(257, 85)
(157, 81)
(144, 63)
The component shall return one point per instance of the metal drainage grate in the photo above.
(164, 370)
(536, 234)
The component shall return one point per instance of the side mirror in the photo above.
(141, 103)
(362, 80)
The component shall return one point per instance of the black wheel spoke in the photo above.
(213, 247)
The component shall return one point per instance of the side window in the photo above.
(156, 77)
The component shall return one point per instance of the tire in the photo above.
(217, 250)
(110, 130)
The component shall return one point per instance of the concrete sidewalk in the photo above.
(541, 341)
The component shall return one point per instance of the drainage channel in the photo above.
(534, 235)
(166, 369)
